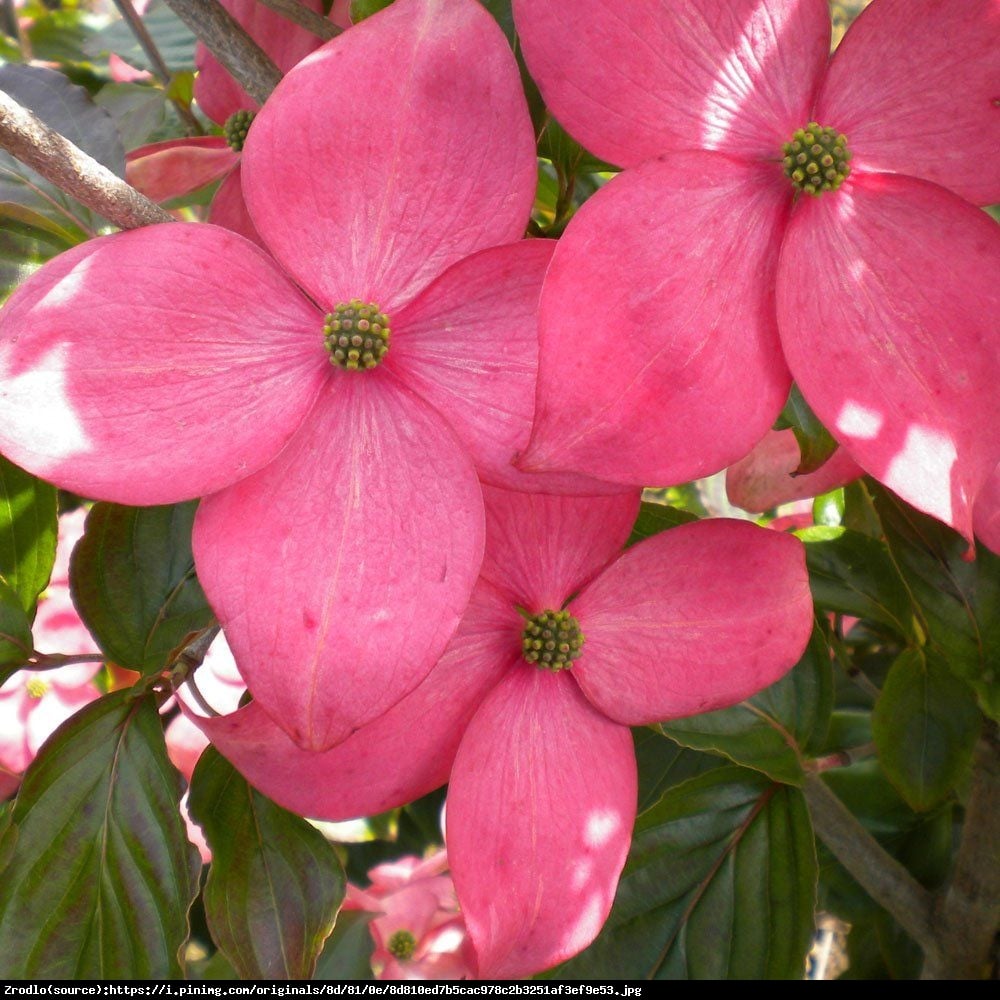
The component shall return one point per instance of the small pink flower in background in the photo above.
(34, 703)
(178, 360)
(540, 762)
(419, 933)
(165, 170)
(887, 288)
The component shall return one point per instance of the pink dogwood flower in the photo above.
(169, 169)
(419, 932)
(776, 206)
(540, 762)
(335, 427)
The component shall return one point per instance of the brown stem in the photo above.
(241, 56)
(160, 68)
(304, 17)
(878, 873)
(47, 661)
(67, 166)
(968, 910)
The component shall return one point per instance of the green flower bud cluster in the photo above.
(236, 128)
(817, 159)
(552, 640)
(357, 335)
(402, 945)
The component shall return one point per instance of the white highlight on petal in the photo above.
(602, 825)
(64, 290)
(35, 406)
(930, 456)
(858, 421)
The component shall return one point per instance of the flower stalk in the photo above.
(304, 17)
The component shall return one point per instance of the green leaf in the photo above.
(28, 529)
(854, 574)
(347, 953)
(925, 724)
(138, 110)
(69, 110)
(662, 764)
(170, 34)
(275, 884)
(958, 598)
(99, 872)
(656, 517)
(134, 584)
(360, 9)
(772, 730)
(720, 883)
(816, 444)
(27, 240)
(15, 633)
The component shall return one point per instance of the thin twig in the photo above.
(156, 61)
(48, 661)
(304, 17)
(67, 166)
(878, 873)
(227, 40)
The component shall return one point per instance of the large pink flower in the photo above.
(664, 342)
(165, 170)
(542, 792)
(345, 529)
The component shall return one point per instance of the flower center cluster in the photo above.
(236, 128)
(817, 159)
(357, 335)
(402, 945)
(552, 640)
(37, 688)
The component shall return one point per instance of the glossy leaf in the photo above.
(926, 724)
(15, 632)
(347, 953)
(816, 444)
(958, 598)
(28, 530)
(133, 580)
(656, 517)
(275, 883)
(854, 574)
(720, 884)
(663, 764)
(771, 731)
(99, 873)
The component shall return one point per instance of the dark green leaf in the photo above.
(656, 517)
(663, 764)
(275, 884)
(957, 597)
(347, 953)
(15, 633)
(926, 724)
(69, 110)
(99, 873)
(771, 731)
(720, 884)
(853, 574)
(134, 583)
(28, 530)
(816, 444)
(172, 37)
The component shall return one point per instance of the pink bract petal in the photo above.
(637, 79)
(887, 302)
(402, 755)
(696, 618)
(156, 365)
(185, 744)
(218, 94)
(229, 210)
(987, 513)
(765, 478)
(412, 161)
(165, 170)
(469, 345)
(915, 89)
(660, 359)
(541, 804)
(341, 571)
(540, 549)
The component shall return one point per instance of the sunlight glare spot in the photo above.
(928, 456)
(602, 825)
(582, 931)
(64, 290)
(859, 422)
